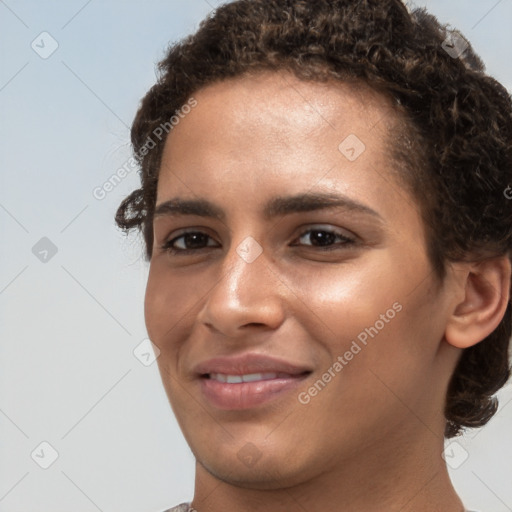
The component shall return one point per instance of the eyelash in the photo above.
(167, 246)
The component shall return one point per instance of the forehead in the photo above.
(281, 104)
(273, 131)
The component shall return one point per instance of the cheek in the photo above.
(388, 354)
(167, 300)
(156, 303)
(345, 300)
(164, 318)
(376, 318)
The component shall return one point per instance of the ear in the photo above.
(486, 295)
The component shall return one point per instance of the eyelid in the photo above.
(331, 229)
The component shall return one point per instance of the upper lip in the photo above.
(247, 364)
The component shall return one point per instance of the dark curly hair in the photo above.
(454, 148)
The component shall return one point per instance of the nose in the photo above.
(249, 293)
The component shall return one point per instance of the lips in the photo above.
(247, 364)
(247, 381)
(250, 377)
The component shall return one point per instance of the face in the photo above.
(298, 318)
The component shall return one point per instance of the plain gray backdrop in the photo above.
(74, 397)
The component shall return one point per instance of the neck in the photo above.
(395, 476)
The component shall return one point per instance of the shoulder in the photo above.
(183, 507)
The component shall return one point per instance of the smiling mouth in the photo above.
(250, 377)
(249, 390)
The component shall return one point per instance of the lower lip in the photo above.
(245, 395)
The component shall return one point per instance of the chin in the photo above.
(258, 465)
(265, 475)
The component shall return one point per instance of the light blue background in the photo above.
(69, 326)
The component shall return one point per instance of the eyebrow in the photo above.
(277, 207)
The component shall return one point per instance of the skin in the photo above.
(372, 438)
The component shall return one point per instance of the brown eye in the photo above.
(190, 241)
(325, 239)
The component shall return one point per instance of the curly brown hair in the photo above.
(454, 149)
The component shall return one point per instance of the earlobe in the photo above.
(487, 293)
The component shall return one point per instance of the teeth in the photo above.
(252, 377)
(237, 379)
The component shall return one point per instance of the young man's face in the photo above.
(343, 347)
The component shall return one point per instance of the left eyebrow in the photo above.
(277, 207)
